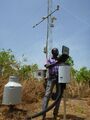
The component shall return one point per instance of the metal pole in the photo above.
(47, 30)
(50, 29)
(64, 101)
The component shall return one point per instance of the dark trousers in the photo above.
(49, 88)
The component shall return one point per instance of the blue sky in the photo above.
(72, 28)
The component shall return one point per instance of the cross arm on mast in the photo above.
(44, 18)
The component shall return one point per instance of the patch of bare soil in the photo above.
(76, 109)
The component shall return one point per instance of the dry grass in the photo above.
(32, 91)
(32, 94)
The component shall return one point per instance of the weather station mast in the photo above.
(49, 39)
(50, 24)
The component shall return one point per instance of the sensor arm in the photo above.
(44, 18)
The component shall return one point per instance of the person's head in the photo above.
(55, 52)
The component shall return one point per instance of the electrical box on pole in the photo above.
(64, 73)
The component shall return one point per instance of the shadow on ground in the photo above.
(68, 117)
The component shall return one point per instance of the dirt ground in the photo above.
(76, 109)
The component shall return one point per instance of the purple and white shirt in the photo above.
(53, 70)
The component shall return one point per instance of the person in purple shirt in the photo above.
(52, 80)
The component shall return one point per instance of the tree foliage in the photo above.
(83, 75)
(8, 62)
(10, 66)
(70, 61)
(26, 71)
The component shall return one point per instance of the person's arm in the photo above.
(61, 59)
(49, 63)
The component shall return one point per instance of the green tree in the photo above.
(34, 67)
(83, 75)
(70, 61)
(27, 71)
(8, 63)
(73, 71)
(10, 66)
